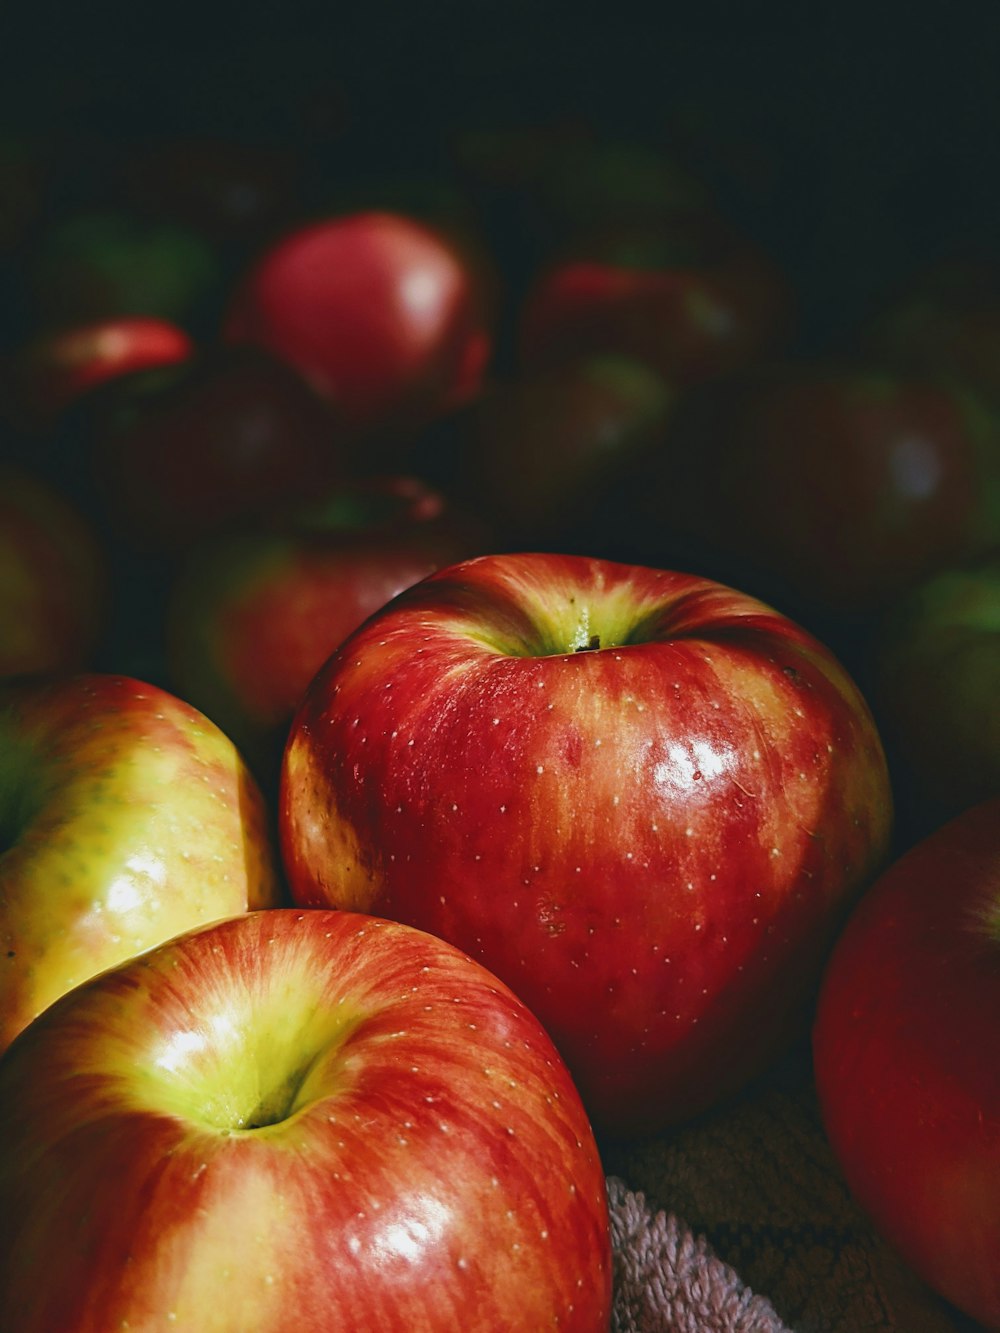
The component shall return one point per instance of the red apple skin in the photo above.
(375, 310)
(53, 579)
(54, 370)
(652, 843)
(905, 1057)
(308, 1120)
(254, 615)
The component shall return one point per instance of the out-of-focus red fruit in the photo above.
(232, 436)
(48, 374)
(254, 615)
(689, 299)
(830, 487)
(379, 313)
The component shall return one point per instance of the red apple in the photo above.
(375, 310)
(254, 615)
(688, 298)
(228, 437)
(905, 1057)
(642, 799)
(53, 579)
(52, 371)
(298, 1120)
(126, 817)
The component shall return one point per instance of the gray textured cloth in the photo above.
(741, 1223)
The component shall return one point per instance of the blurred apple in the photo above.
(254, 615)
(943, 321)
(689, 297)
(50, 372)
(378, 312)
(941, 643)
(539, 452)
(97, 265)
(230, 436)
(238, 191)
(53, 579)
(829, 487)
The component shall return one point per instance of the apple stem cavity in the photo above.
(591, 646)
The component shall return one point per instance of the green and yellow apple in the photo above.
(126, 817)
(298, 1120)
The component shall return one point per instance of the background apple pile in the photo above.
(275, 383)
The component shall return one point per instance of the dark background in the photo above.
(855, 140)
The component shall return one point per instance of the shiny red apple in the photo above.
(298, 1120)
(641, 798)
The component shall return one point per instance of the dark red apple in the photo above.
(229, 437)
(906, 1060)
(691, 299)
(839, 485)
